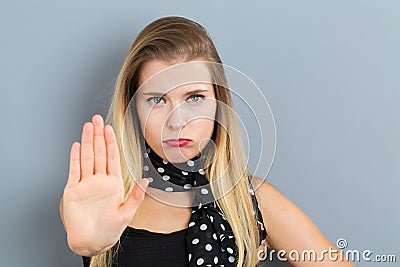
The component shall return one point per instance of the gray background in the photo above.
(330, 70)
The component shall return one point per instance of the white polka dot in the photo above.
(164, 161)
(185, 173)
(201, 171)
(251, 192)
(190, 163)
(160, 169)
(215, 259)
(165, 177)
(200, 261)
(191, 224)
(169, 189)
(150, 179)
(204, 191)
(148, 150)
(229, 250)
(195, 241)
(222, 227)
(231, 259)
(146, 155)
(211, 218)
(145, 168)
(187, 186)
(208, 247)
(190, 256)
(203, 227)
(215, 236)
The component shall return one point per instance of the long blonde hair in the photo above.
(179, 39)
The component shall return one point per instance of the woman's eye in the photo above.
(155, 100)
(196, 97)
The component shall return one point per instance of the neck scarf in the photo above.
(210, 240)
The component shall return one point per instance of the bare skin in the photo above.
(156, 216)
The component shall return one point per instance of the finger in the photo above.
(99, 145)
(74, 165)
(87, 150)
(113, 160)
(128, 209)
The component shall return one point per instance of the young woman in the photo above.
(198, 204)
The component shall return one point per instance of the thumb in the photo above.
(130, 206)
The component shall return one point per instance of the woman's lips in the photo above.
(177, 142)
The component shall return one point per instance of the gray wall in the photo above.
(330, 70)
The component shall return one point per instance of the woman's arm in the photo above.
(288, 228)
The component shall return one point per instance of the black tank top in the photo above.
(140, 247)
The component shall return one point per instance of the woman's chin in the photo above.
(180, 154)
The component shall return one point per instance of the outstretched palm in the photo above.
(94, 211)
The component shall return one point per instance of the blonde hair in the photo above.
(177, 39)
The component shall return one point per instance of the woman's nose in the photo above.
(176, 117)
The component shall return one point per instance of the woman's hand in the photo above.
(92, 207)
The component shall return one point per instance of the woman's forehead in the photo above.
(158, 76)
(150, 68)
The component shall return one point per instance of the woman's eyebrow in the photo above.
(186, 94)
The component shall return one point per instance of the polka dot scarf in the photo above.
(210, 240)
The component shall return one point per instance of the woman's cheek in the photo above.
(154, 126)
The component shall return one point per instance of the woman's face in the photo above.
(176, 122)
